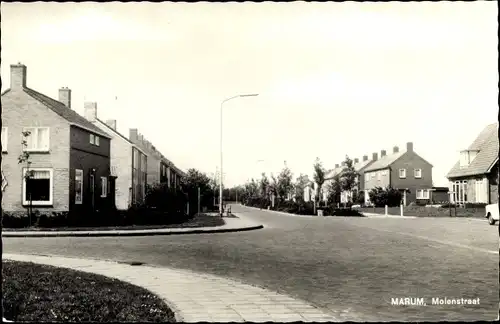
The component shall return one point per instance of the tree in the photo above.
(24, 157)
(334, 190)
(300, 185)
(385, 196)
(319, 179)
(264, 186)
(284, 183)
(348, 178)
(194, 181)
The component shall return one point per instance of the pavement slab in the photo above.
(191, 296)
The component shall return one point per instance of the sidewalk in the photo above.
(231, 225)
(196, 297)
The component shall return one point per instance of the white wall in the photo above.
(121, 162)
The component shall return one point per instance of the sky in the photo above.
(333, 79)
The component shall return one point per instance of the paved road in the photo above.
(351, 267)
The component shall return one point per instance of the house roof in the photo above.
(384, 161)
(118, 133)
(70, 115)
(487, 145)
(357, 167)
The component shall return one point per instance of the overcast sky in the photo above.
(333, 78)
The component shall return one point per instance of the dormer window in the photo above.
(466, 157)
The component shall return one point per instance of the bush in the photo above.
(466, 205)
(388, 196)
(330, 211)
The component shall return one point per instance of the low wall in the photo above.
(427, 211)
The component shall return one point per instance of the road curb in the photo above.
(194, 296)
(131, 232)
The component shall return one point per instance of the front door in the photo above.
(92, 192)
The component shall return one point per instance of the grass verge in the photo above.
(40, 293)
(200, 220)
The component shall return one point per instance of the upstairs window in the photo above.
(94, 139)
(37, 140)
(402, 173)
(466, 157)
(417, 173)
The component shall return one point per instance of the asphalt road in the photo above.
(351, 267)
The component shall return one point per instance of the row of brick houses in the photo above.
(473, 179)
(405, 171)
(77, 163)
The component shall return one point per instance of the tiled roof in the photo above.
(65, 112)
(118, 133)
(362, 165)
(357, 167)
(487, 145)
(384, 161)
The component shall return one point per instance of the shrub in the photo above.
(466, 205)
(388, 196)
(329, 211)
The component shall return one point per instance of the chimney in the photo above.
(395, 149)
(375, 157)
(365, 158)
(382, 153)
(65, 96)
(18, 76)
(90, 111)
(336, 166)
(133, 135)
(111, 123)
(356, 161)
(409, 147)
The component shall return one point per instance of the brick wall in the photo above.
(376, 179)
(87, 157)
(411, 161)
(21, 110)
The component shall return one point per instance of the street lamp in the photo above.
(221, 106)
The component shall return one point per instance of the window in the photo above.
(417, 173)
(38, 186)
(38, 139)
(422, 194)
(402, 173)
(460, 191)
(92, 139)
(4, 139)
(78, 186)
(379, 175)
(97, 140)
(373, 175)
(367, 176)
(104, 187)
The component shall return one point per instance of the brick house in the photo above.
(160, 169)
(405, 171)
(128, 162)
(70, 157)
(359, 168)
(474, 177)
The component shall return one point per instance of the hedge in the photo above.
(300, 208)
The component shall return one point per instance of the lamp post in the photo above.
(221, 170)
